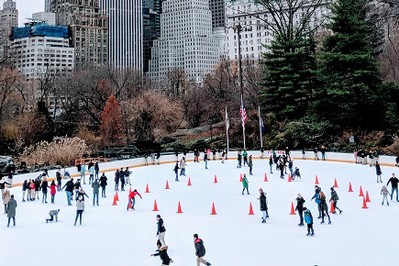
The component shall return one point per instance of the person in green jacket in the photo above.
(245, 184)
(245, 157)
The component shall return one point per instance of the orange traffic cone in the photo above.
(316, 181)
(147, 189)
(116, 195)
(332, 208)
(179, 210)
(335, 183)
(213, 209)
(189, 182)
(215, 179)
(240, 177)
(364, 204)
(361, 192)
(251, 210)
(292, 209)
(289, 178)
(265, 179)
(350, 187)
(114, 202)
(167, 185)
(155, 206)
(367, 197)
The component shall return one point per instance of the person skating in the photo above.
(245, 157)
(103, 184)
(183, 166)
(239, 159)
(81, 193)
(296, 173)
(122, 179)
(384, 192)
(206, 160)
(76, 187)
(69, 190)
(58, 177)
(44, 187)
(80, 207)
(162, 252)
(324, 207)
(308, 221)
(394, 186)
(200, 250)
(92, 172)
(245, 184)
(11, 210)
(96, 169)
(271, 164)
(299, 207)
(263, 205)
(250, 164)
(127, 176)
(53, 191)
(161, 230)
(281, 167)
(176, 170)
(378, 172)
(24, 189)
(96, 189)
(132, 198)
(53, 213)
(6, 196)
(116, 179)
(334, 198)
(316, 198)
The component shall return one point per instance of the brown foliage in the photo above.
(111, 123)
(152, 114)
(59, 152)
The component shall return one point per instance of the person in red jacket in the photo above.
(53, 190)
(132, 198)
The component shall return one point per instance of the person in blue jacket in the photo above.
(316, 196)
(309, 221)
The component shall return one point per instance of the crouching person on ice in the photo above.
(53, 213)
(162, 252)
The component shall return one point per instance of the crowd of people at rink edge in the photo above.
(282, 162)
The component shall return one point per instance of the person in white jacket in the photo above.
(80, 207)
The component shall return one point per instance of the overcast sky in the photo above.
(27, 8)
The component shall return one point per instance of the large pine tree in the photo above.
(349, 95)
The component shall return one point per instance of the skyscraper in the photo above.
(125, 39)
(186, 41)
(8, 20)
(152, 10)
(218, 13)
(89, 28)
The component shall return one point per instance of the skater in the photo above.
(24, 189)
(11, 210)
(161, 230)
(183, 166)
(316, 198)
(299, 207)
(92, 171)
(200, 251)
(83, 173)
(59, 179)
(80, 207)
(96, 169)
(176, 170)
(394, 185)
(122, 179)
(323, 152)
(245, 157)
(76, 187)
(69, 190)
(44, 187)
(163, 254)
(127, 176)
(132, 198)
(53, 213)
(245, 184)
(96, 188)
(81, 193)
(378, 172)
(250, 164)
(296, 173)
(384, 192)
(290, 166)
(116, 179)
(53, 190)
(303, 154)
(334, 198)
(271, 164)
(324, 207)
(239, 159)
(158, 157)
(224, 153)
(206, 160)
(6, 199)
(281, 166)
(316, 155)
(32, 187)
(263, 205)
(308, 221)
(103, 184)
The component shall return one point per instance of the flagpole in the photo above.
(227, 131)
(260, 128)
(243, 122)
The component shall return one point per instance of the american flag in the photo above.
(243, 113)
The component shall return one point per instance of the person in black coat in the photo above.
(162, 252)
(103, 184)
(69, 190)
(263, 205)
(394, 185)
(299, 207)
(378, 172)
(161, 230)
(200, 250)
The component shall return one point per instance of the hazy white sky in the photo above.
(27, 7)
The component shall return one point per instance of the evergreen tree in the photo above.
(289, 77)
(350, 91)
